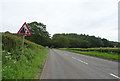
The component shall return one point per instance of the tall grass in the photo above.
(18, 64)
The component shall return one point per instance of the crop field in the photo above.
(21, 65)
(107, 53)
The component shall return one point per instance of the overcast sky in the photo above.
(92, 17)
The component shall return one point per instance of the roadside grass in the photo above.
(22, 65)
(111, 56)
(28, 67)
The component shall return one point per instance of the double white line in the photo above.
(80, 60)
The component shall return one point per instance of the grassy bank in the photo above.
(18, 64)
(101, 49)
(112, 56)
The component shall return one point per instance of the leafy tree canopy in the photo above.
(39, 34)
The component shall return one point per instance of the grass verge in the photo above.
(110, 56)
(21, 65)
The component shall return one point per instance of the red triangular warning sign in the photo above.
(24, 30)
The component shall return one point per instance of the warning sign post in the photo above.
(24, 30)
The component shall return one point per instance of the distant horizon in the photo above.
(66, 33)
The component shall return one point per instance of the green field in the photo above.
(107, 53)
(18, 64)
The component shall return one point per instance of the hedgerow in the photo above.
(21, 65)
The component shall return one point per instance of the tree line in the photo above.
(73, 40)
(70, 40)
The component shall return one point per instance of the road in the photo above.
(68, 65)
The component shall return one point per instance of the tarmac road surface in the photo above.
(68, 65)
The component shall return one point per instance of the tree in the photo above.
(105, 42)
(39, 34)
(77, 40)
(60, 41)
(74, 43)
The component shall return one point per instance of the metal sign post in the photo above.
(23, 44)
(24, 30)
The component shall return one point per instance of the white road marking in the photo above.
(114, 76)
(80, 60)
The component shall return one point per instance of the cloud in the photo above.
(94, 17)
